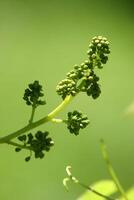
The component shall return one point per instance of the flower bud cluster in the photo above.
(98, 50)
(33, 93)
(69, 85)
(37, 143)
(98, 56)
(79, 71)
(66, 87)
(76, 121)
(91, 85)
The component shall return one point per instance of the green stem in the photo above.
(95, 192)
(18, 145)
(33, 125)
(55, 120)
(32, 115)
(111, 170)
(66, 101)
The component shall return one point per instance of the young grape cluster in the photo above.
(81, 78)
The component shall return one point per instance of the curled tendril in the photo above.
(69, 178)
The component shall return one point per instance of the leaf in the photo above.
(106, 187)
(129, 194)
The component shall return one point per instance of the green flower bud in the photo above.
(22, 138)
(17, 149)
(27, 158)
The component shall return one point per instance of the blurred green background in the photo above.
(42, 40)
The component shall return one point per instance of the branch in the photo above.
(42, 121)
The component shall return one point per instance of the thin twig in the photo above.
(96, 192)
(18, 145)
(32, 114)
(111, 170)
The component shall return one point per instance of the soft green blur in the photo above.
(42, 40)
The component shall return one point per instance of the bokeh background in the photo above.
(42, 40)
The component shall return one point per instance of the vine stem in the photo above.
(30, 126)
(111, 170)
(96, 192)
